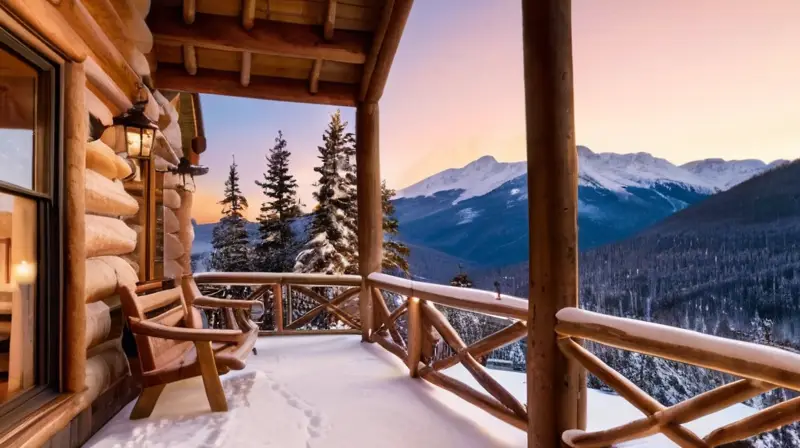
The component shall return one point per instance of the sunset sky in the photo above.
(681, 79)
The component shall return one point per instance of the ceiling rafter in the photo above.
(266, 37)
(174, 77)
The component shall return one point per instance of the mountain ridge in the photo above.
(612, 171)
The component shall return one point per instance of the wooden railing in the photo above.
(423, 318)
(297, 301)
(761, 368)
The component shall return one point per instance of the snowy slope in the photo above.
(729, 173)
(609, 171)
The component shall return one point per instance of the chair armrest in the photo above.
(255, 307)
(152, 329)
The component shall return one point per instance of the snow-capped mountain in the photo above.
(479, 212)
(476, 179)
(610, 171)
(729, 173)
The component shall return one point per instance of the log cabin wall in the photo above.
(100, 47)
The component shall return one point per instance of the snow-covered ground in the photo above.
(334, 391)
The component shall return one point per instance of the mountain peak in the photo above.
(482, 162)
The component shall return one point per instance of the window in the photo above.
(147, 187)
(30, 228)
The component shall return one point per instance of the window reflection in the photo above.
(17, 120)
(18, 272)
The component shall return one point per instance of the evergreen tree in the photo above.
(229, 239)
(395, 253)
(275, 249)
(461, 280)
(332, 247)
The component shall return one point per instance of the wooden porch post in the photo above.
(555, 384)
(370, 213)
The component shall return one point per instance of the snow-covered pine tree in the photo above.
(395, 253)
(461, 280)
(229, 239)
(333, 246)
(276, 246)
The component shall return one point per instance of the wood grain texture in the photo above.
(388, 48)
(75, 136)
(265, 37)
(555, 383)
(218, 82)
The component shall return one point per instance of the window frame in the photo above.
(48, 193)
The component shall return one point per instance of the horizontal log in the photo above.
(108, 198)
(266, 37)
(173, 268)
(107, 274)
(308, 332)
(483, 401)
(172, 181)
(390, 346)
(103, 369)
(173, 249)
(743, 359)
(264, 278)
(163, 149)
(49, 23)
(98, 323)
(134, 25)
(98, 109)
(171, 224)
(108, 236)
(462, 298)
(171, 199)
(106, 88)
(124, 169)
(101, 159)
(173, 77)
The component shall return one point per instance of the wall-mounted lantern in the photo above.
(139, 131)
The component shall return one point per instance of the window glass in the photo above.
(18, 272)
(18, 83)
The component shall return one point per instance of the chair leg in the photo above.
(211, 381)
(146, 402)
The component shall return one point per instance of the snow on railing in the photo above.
(299, 301)
(762, 369)
(425, 321)
(463, 298)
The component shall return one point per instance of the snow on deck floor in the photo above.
(334, 391)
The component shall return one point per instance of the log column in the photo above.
(370, 214)
(555, 383)
(75, 135)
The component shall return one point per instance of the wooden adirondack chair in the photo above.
(173, 346)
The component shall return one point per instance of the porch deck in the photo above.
(334, 391)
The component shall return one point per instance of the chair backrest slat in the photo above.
(166, 307)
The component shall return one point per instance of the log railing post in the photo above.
(555, 383)
(415, 337)
(370, 212)
(277, 306)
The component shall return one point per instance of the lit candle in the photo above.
(24, 273)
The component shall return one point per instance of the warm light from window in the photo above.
(24, 273)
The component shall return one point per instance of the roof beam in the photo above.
(174, 77)
(190, 59)
(313, 85)
(266, 37)
(248, 14)
(330, 20)
(247, 60)
(390, 30)
(189, 11)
